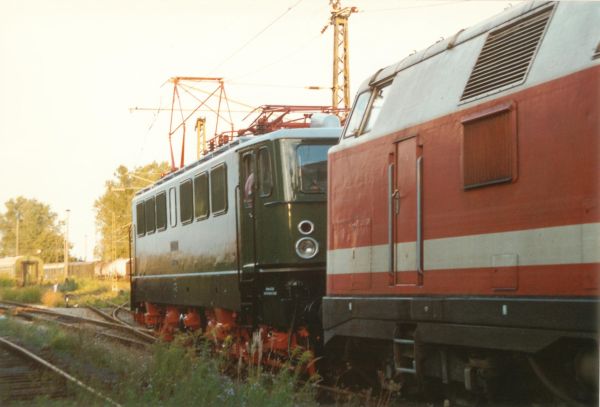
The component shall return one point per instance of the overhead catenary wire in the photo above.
(280, 85)
(168, 109)
(258, 34)
(277, 61)
(420, 6)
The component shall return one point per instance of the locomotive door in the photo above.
(247, 205)
(406, 247)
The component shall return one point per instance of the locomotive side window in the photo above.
(172, 207)
(186, 202)
(218, 189)
(201, 204)
(150, 216)
(380, 95)
(161, 211)
(248, 178)
(357, 114)
(489, 148)
(140, 219)
(265, 174)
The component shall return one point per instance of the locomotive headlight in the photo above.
(307, 247)
(306, 227)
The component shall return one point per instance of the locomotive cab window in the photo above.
(358, 112)
(140, 219)
(161, 211)
(490, 147)
(304, 164)
(201, 203)
(218, 189)
(265, 182)
(150, 210)
(380, 94)
(312, 165)
(186, 201)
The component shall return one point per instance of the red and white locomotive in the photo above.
(463, 208)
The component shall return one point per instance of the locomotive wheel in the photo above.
(570, 372)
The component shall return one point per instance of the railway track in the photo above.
(22, 380)
(26, 376)
(107, 328)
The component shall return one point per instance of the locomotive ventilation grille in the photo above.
(507, 55)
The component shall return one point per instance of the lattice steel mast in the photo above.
(341, 70)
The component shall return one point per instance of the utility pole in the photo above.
(17, 235)
(341, 65)
(112, 230)
(66, 254)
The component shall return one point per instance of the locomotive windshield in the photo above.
(312, 167)
(305, 167)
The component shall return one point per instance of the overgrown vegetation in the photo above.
(80, 292)
(30, 294)
(6, 282)
(172, 375)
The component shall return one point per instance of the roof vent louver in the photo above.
(507, 55)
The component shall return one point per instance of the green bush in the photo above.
(68, 285)
(6, 282)
(30, 294)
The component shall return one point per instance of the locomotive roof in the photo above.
(245, 141)
(434, 82)
(448, 43)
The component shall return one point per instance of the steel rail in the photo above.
(33, 357)
(116, 338)
(104, 315)
(111, 325)
(115, 314)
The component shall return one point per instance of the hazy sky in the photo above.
(71, 70)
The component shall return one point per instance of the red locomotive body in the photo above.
(463, 211)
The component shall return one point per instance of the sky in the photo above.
(73, 72)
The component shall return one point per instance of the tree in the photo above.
(113, 208)
(40, 231)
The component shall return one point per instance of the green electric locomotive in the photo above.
(235, 243)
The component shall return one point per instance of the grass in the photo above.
(171, 375)
(30, 294)
(6, 282)
(98, 293)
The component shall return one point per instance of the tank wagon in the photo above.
(235, 242)
(463, 210)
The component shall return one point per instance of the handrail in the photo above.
(419, 241)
